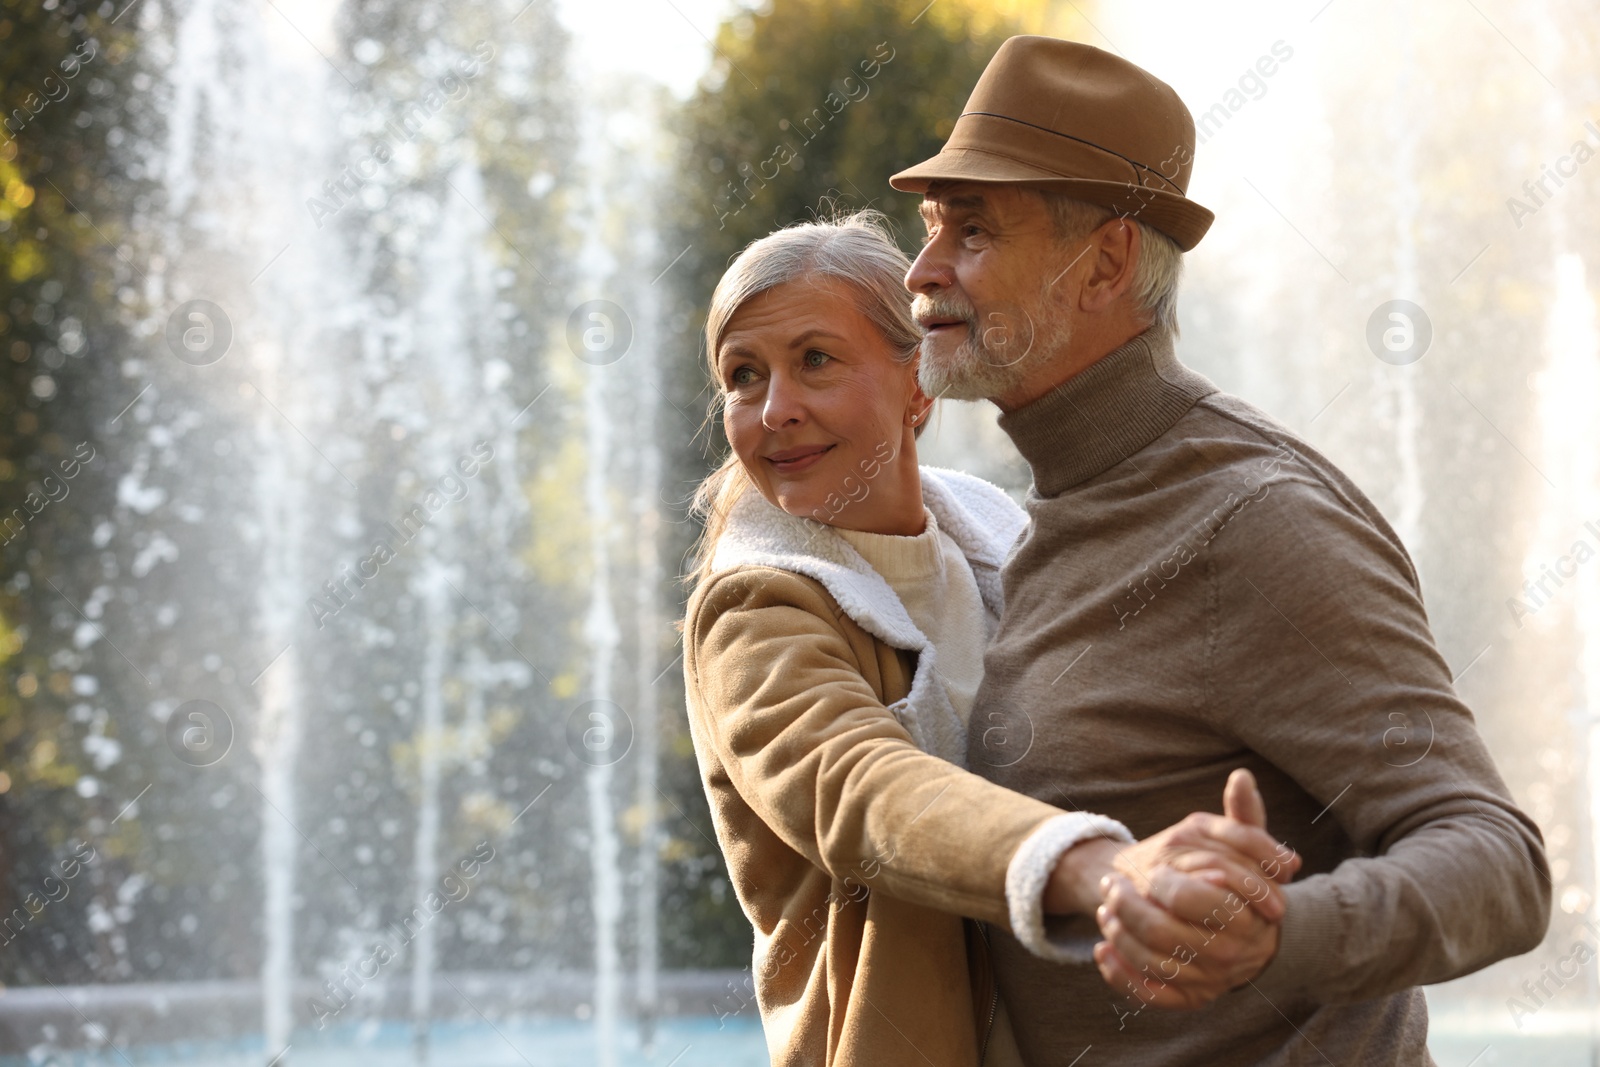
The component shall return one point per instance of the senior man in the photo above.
(1198, 590)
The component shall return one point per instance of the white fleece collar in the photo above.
(979, 517)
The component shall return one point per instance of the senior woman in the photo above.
(842, 598)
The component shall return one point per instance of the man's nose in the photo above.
(931, 271)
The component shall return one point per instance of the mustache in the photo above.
(926, 308)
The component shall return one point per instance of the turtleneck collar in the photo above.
(1105, 413)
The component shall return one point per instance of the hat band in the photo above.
(1059, 153)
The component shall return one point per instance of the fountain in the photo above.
(648, 581)
(1561, 554)
(1409, 494)
(224, 75)
(437, 619)
(604, 728)
(414, 312)
(1571, 455)
(387, 315)
(601, 732)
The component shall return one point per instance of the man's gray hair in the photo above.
(1157, 273)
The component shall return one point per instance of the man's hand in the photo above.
(1234, 848)
(1195, 923)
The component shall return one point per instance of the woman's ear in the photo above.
(918, 406)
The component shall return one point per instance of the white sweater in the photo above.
(931, 576)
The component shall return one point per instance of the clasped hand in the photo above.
(1189, 913)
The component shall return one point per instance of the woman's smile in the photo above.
(795, 460)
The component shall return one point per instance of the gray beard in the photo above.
(977, 370)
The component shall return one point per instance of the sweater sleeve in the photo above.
(778, 695)
(1322, 661)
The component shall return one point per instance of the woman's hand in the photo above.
(1157, 957)
(1192, 920)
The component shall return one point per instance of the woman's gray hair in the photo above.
(1157, 273)
(857, 249)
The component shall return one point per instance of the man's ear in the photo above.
(1115, 248)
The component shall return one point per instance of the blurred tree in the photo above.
(809, 106)
(61, 72)
(816, 99)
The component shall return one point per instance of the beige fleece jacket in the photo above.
(854, 852)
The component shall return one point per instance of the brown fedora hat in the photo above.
(1069, 116)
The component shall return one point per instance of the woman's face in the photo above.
(819, 412)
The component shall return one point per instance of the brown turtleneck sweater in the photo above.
(1200, 590)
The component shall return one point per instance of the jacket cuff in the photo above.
(1029, 873)
(1308, 938)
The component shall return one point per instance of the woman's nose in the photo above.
(783, 406)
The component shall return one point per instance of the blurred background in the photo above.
(352, 396)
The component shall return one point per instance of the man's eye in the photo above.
(971, 229)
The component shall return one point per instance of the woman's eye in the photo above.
(815, 358)
(742, 376)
